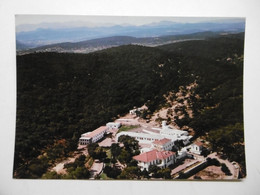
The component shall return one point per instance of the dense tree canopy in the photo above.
(61, 95)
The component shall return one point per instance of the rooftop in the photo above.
(96, 132)
(114, 123)
(162, 141)
(153, 155)
(177, 131)
(144, 135)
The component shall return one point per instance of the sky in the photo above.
(32, 22)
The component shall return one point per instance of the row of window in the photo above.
(158, 161)
(84, 142)
(144, 138)
(155, 162)
(98, 136)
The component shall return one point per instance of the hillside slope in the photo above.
(216, 98)
(108, 42)
(60, 96)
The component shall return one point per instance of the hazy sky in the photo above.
(32, 22)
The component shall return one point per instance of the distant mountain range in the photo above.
(114, 41)
(45, 36)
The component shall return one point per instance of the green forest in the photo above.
(62, 95)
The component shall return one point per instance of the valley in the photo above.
(114, 41)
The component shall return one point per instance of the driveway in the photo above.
(96, 169)
(234, 171)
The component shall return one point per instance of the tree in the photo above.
(78, 173)
(230, 141)
(130, 173)
(112, 172)
(159, 172)
(77, 169)
(100, 154)
(125, 156)
(213, 161)
(91, 148)
(80, 161)
(115, 150)
(130, 144)
(37, 168)
(145, 174)
(153, 170)
(178, 144)
(82, 158)
(164, 173)
(132, 163)
(225, 169)
(51, 175)
(138, 113)
(81, 173)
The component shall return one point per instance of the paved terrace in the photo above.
(234, 169)
(96, 169)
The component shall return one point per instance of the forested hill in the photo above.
(217, 101)
(108, 42)
(60, 96)
(64, 95)
(211, 48)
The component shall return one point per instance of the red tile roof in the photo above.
(162, 141)
(153, 155)
(97, 131)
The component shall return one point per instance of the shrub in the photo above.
(225, 169)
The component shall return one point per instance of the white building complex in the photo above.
(163, 144)
(94, 136)
(164, 132)
(113, 125)
(133, 111)
(141, 137)
(161, 159)
(196, 147)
